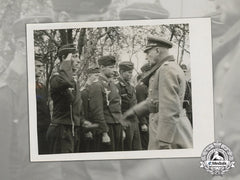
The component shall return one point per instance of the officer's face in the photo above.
(75, 62)
(127, 75)
(109, 71)
(151, 56)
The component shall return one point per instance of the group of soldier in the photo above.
(108, 113)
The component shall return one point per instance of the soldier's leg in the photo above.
(67, 139)
(136, 143)
(53, 137)
(128, 142)
(144, 138)
(118, 129)
(77, 139)
(43, 147)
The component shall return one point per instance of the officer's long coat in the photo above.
(167, 121)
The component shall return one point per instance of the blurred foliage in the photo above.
(93, 43)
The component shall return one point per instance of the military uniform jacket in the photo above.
(127, 93)
(43, 114)
(141, 95)
(65, 93)
(167, 121)
(104, 102)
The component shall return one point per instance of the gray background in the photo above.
(14, 149)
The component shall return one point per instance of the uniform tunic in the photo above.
(128, 99)
(167, 122)
(104, 108)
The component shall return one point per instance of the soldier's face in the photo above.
(75, 62)
(39, 68)
(127, 75)
(109, 71)
(151, 56)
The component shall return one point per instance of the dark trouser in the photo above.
(132, 140)
(115, 134)
(43, 147)
(88, 144)
(77, 138)
(60, 139)
(144, 138)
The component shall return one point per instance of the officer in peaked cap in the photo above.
(80, 10)
(166, 84)
(128, 99)
(105, 108)
(143, 10)
(157, 42)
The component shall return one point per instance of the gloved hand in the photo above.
(164, 145)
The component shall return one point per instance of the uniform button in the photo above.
(150, 90)
(151, 100)
(15, 121)
(219, 101)
(226, 66)
(152, 119)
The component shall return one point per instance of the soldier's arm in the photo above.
(64, 79)
(96, 105)
(169, 103)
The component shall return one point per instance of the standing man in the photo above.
(63, 133)
(142, 94)
(43, 113)
(128, 99)
(169, 127)
(105, 108)
(187, 103)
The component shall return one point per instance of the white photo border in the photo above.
(202, 91)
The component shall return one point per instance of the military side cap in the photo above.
(107, 60)
(143, 11)
(18, 27)
(126, 66)
(81, 6)
(68, 48)
(157, 42)
(146, 67)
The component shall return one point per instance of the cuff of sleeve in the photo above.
(166, 132)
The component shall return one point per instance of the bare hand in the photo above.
(89, 135)
(144, 128)
(123, 135)
(106, 138)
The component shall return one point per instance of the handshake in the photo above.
(127, 117)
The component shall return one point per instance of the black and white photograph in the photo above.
(119, 89)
